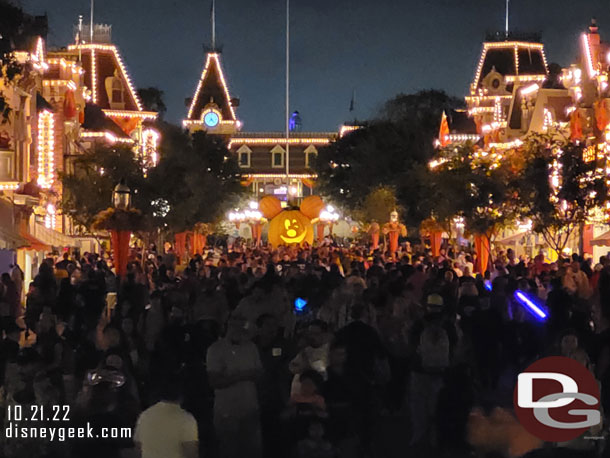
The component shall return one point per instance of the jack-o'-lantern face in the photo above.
(293, 232)
(290, 227)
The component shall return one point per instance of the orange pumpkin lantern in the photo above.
(290, 226)
(312, 206)
(270, 207)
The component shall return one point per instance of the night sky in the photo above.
(377, 47)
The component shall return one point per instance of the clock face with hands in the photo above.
(211, 119)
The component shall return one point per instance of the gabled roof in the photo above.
(42, 103)
(212, 88)
(101, 61)
(460, 123)
(511, 58)
(96, 121)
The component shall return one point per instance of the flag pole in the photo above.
(91, 24)
(287, 158)
(213, 25)
(80, 37)
(506, 23)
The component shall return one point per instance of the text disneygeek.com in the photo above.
(61, 433)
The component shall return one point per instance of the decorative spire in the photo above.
(593, 28)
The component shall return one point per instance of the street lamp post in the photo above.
(327, 216)
(119, 236)
(121, 196)
(252, 216)
(255, 220)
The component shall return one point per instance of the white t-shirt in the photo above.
(163, 428)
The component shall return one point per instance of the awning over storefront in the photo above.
(35, 244)
(12, 240)
(512, 239)
(52, 237)
(602, 240)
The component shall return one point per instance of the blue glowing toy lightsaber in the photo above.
(530, 305)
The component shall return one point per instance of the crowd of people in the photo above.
(332, 351)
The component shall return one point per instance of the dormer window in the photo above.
(243, 156)
(277, 157)
(115, 90)
(310, 155)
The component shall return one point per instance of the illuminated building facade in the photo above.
(515, 93)
(113, 112)
(65, 102)
(261, 155)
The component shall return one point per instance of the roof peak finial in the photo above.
(593, 27)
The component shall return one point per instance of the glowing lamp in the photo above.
(121, 196)
(329, 215)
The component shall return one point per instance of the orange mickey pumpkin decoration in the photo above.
(270, 207)
(312, 206)
(290, 227)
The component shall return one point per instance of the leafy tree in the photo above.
(557, 189)
(474, 185)
(92, 176)
(18, 31)
(391, 151)
(424, 107)
(197, 177)
(194, 182)
(378, 205)
(152, 100)
(353, 166)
